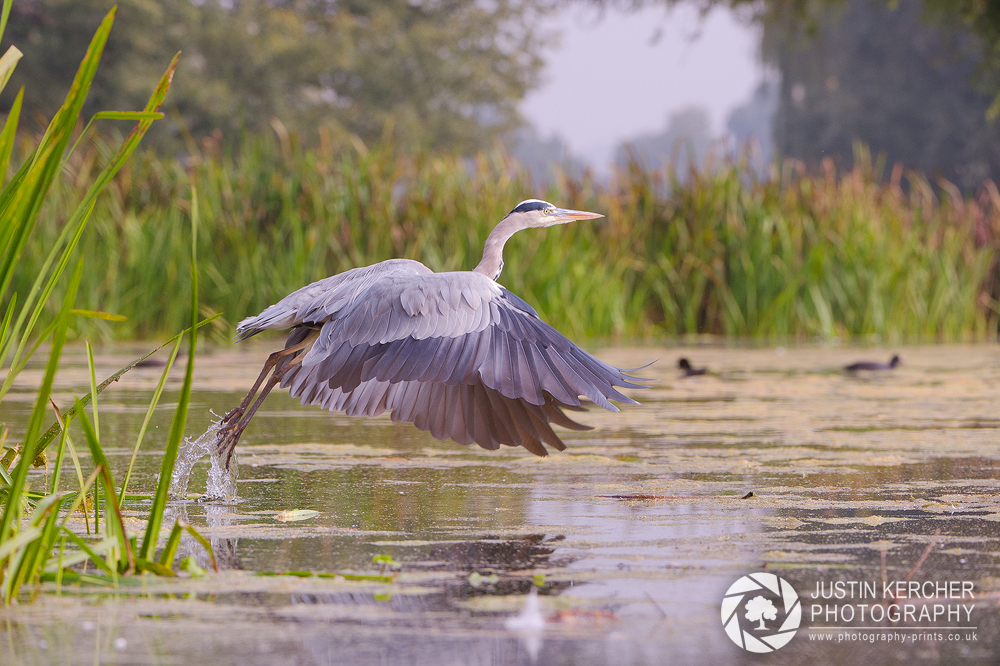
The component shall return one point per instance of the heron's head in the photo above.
(537, 213)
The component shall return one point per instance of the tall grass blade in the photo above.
(173, 541)
(147, 551)
(112, 115)
(88, 553)
(93, 551)
(11, 510)
(60, 450)
(7, 63)
(112, 514)
(22, 211)
(81, 496)
(9, 133)
(4, 15)
(23, 538)
(204, 544)
(93, 392)
(149, 413)
(28, 568)
(94, 314)
(5, 327)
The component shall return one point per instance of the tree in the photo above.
(760, 608)
(979, 18)
(888, 78)
(916, 80)
(433, 72)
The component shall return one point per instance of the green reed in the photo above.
(713, 250)
(34, 526)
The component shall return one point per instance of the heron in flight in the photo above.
(453, 353)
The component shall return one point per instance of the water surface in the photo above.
(634, 533)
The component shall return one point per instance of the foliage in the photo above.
(715, 251)
(888, 78)
(34, 527)
(918, 80)
(434, 72)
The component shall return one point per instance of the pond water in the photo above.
(632, 536)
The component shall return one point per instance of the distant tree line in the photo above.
(913, 90)
(915, 79)
(432, 72)
(918, 81)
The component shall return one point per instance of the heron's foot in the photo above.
(231, 419)
(228, 436)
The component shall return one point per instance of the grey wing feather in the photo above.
(488, 336)
(454, 353)
(465, 413)
(316, 302)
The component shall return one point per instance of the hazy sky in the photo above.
(630, 71)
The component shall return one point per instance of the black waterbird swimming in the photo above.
(685, 366)
(872, 365)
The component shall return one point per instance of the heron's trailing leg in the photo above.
(230, 434)
(236, 421)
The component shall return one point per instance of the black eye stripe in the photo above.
(530, 205)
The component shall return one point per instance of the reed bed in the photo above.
(714, 250)
(39, 538)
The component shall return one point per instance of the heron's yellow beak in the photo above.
(564, 215)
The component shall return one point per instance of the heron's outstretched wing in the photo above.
(455, 353)
(317, 302)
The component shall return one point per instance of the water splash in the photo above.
(221, 482)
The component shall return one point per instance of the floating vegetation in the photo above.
(295, 515)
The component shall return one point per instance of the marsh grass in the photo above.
(34, 529)
(713, 250)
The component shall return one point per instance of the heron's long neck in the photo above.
(492, 262)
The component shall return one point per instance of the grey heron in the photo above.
(454, 353)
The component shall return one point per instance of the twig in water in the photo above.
(885, 576)
(659, 609)
(927, 551)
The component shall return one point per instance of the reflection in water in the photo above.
(216, 516)
(490, 553)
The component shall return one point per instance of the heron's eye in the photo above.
(550, 211)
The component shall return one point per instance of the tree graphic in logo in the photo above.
(759, 608)
(755, 598)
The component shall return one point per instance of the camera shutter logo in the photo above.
(751, 617)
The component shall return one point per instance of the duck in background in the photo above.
(688, 371)
(872, 365)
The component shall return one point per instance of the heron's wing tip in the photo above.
(645, 380)
(641, 367)
(245, 334)
(629, 377)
